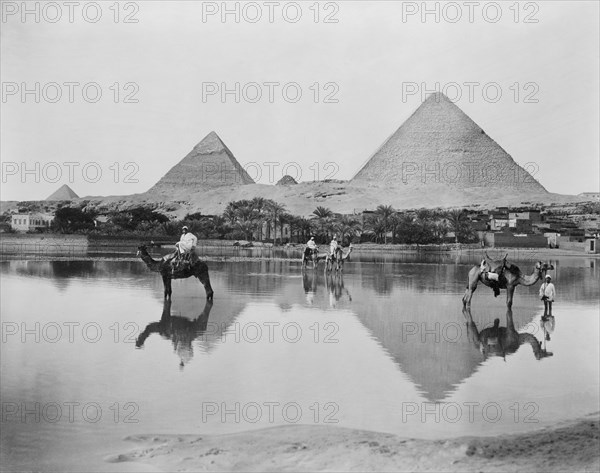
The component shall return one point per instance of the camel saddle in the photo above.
(497, 267)
(184, 261)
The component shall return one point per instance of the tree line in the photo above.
(261, 219)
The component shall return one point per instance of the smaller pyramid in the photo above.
(209, 165)
(286, 180)
(63, 193)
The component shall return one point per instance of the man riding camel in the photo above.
(311, 248)
(184, 248)
(333, 246)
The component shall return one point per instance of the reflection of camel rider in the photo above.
(333, 246)
(490, 276)
(180, 330)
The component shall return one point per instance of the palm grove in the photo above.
(261, 219)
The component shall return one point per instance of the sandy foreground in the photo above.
(572, 447)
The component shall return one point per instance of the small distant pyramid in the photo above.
(286, 180)
(63, 193)
(439, 143)
(209, 165)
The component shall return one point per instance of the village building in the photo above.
(31, 221)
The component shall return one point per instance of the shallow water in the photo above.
(384, 348)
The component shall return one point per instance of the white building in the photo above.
(590, 195)
(30, 221)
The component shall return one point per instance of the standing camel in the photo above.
(510, 278)
(198, 269)
(336, 261)
(501, 341)
(309, 255)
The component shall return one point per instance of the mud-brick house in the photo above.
(533, 216)
(498, 221)
(591, 245)
(507, 239)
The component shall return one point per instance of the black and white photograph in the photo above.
(312, 235)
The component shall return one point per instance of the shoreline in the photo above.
(569, 446)
(79, 247)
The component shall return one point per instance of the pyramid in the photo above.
(209, 165)
(440, 144)
(286, 180)
(63, 193)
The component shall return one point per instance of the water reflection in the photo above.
(310, 284)
(180, 330)
(395, 333)
(336, 289)
(502, 341)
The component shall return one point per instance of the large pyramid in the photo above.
(209, 165)
(63, 193)
(440, 144)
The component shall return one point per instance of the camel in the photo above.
(198, 269)
(501, 341)
(311, 256)
(336, 261)
(510, 278)
(180, 330)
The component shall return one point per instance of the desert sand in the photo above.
(573, 447)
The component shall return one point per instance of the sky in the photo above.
(106, 97)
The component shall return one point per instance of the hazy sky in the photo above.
(370, 68)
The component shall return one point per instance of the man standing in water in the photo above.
(547, 294)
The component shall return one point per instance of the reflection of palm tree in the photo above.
(180, 330)
(501, 341)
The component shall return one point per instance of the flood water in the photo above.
(91, 354)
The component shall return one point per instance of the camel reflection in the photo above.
(309, 281)
(180, 330)
(335, 287)
(501, 341)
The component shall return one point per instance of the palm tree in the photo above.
(305, 226)
(292, 221)
(377, 227)
(275, 210)
(385, 212)
(440, 229)
(457, 220)
(245, 220)
(259, 214)
(404, 227)
(347, 225)
(323, 215)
